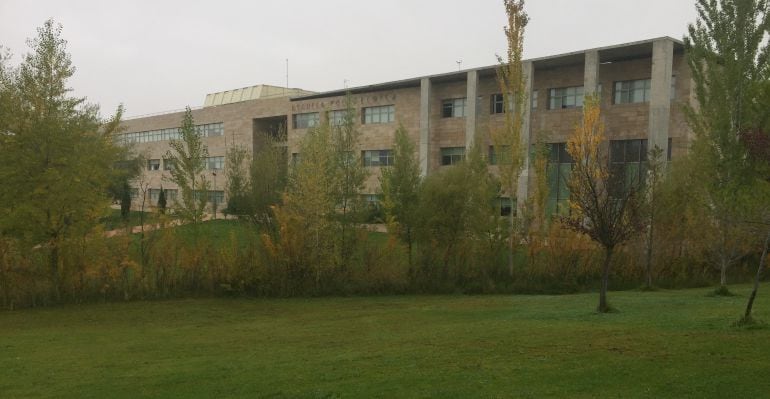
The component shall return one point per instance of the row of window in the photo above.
(173, 133)
(211, 163)
(628, 168)
(369, 115)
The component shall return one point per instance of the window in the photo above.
(304, 121)
(216, 197)
(534, 99)
(383, 114)
(454, 108)
(153, 164)
(566, 97)
(215, 163)
(174, 133)
(337, 118)
(378, 157)
(171, 194)
(628, 165)
(498, 105)
(505, 206)
(452, 155)
(632, 91)
(154, 195)
(168, 164)
(557, 175)
(134, 193)
(503, 157)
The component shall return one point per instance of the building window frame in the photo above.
(452, 155)
(375, 158)
(153, 165)
(378, 115)
(306, 120)
(559, 169)
(565, 97)
(453, 108)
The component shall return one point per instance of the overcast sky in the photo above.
(161, 55)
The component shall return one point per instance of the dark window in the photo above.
(557, 175)
(565, 97)
(452, 155)
(454, 108)
(628, 165)
(498, 105)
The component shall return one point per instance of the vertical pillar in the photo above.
(471, 107)
(660, 94)
(424, 153)
(591, 72)
(522, 191)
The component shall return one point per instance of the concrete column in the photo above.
(424, 150)
(591, 72)
(660, 94)
(471, 106)
(522, 191)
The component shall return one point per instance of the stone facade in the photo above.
(418, 107)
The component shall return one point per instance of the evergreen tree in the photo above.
(162, 201)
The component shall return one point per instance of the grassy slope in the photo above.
(662, 344)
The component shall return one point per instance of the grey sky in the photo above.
(162, 55)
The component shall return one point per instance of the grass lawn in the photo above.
(661, 344)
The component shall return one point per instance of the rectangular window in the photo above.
(168, 164)
(454, 108)
(153, 164)
(534, 99)
(383, 114)
(216, 197)
(628, 165)
(378, 157)
(154, 195)
(505, 206)
(557, 175)
(171, 194)
(498, 105)
(565, 97)
(632, 91)
(306, 120)
(337, 118)
(452, 155)
(500, 155)
(215, 163)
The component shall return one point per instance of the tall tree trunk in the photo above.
(723, 274)
(648, 268)
(54, 265)
(758, 276)
(512, 239)
(603, 306)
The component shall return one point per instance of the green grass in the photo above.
(661, 344)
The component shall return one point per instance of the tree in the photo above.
(652, 185)
(347, 177)
(727, 51)
(400, 186)
(162, 201)
(608, 215)
(507, 141)
(125, 202)
(188, 154)
(57, 155)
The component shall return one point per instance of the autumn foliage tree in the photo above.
(610, 217)
(507, 140)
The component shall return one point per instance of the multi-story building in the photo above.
(641, 86)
